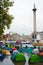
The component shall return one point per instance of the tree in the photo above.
(5, 17)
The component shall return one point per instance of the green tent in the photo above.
(34, 58)
(19, 57)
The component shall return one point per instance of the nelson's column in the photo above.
(34, 13)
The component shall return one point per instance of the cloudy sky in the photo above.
(23, 16)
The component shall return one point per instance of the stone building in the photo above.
(18, 37)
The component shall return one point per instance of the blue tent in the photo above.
(21, 49)
(2, 57)
(29, 50)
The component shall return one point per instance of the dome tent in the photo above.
(34, 58)
(20, 57)
(2, 56)
(6, 52)
(35, 51)
(21, 49)
(29, 50)
(14, 54)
